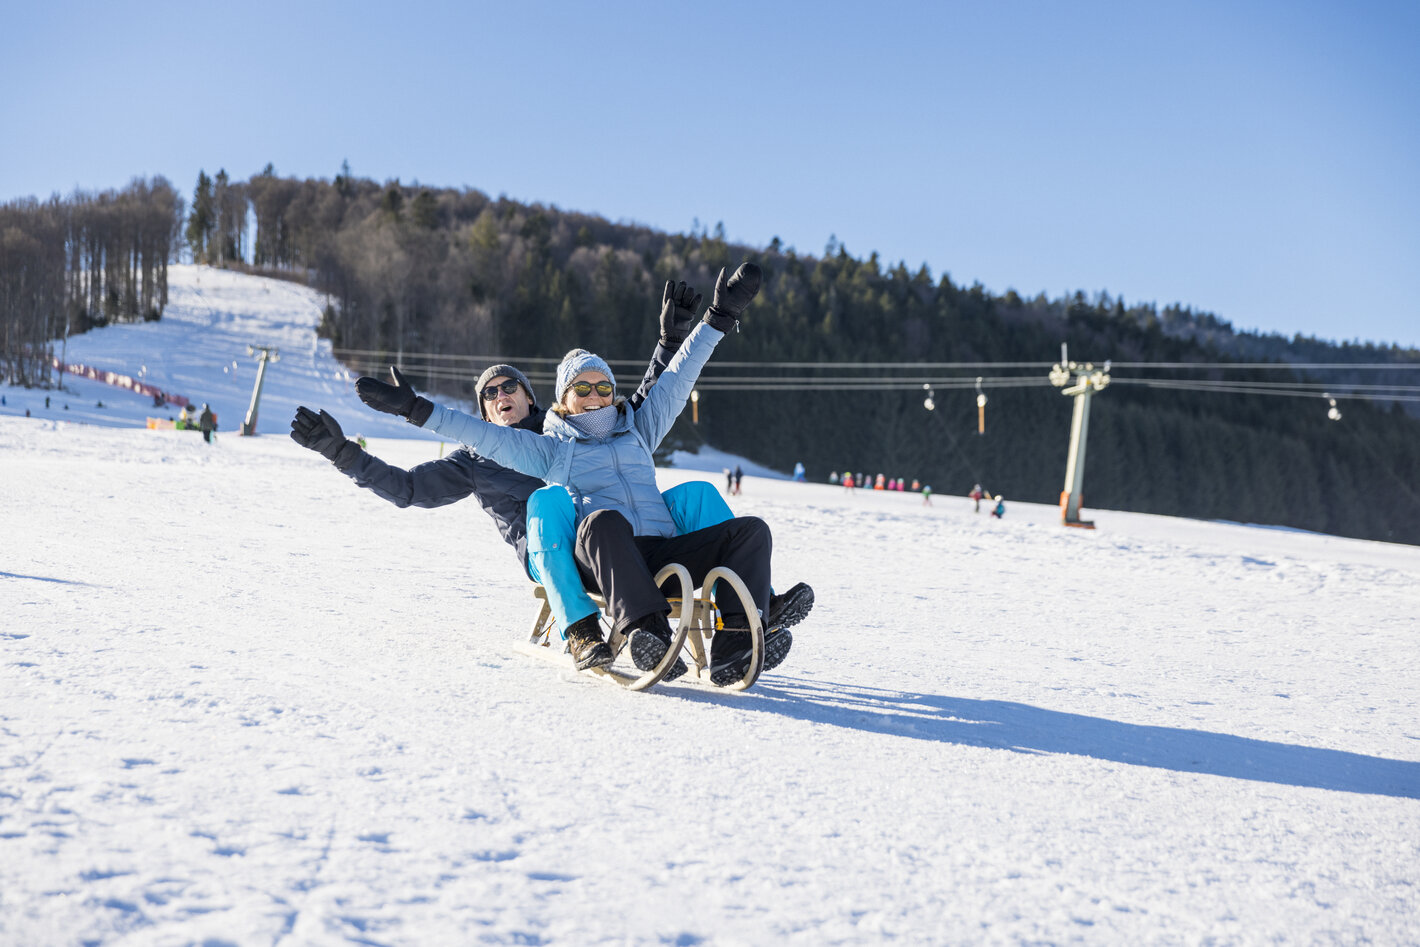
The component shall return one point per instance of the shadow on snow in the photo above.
(1022, 728)
(42, 578)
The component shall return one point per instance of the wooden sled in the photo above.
(694, 619)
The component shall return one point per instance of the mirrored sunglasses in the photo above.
(583, 388)
(508, 387)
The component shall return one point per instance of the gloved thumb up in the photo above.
(399, 398)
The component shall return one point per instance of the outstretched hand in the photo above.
(319, 432)
(399, 398)
(733, 296)
(678, 305)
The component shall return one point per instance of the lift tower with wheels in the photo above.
(1088, 381)
(269, 354)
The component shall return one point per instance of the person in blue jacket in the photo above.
(537, 522)
(598, 448)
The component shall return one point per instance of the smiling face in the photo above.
(509, 407)
(591, 401)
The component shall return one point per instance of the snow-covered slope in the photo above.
(198, 350)
(244, 702)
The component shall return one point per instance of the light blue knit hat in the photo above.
(574, 363)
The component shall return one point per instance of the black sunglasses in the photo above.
(508, 387)
(583, 388)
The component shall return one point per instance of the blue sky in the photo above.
(1256, 160)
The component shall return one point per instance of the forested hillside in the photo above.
(69, 264)
(830, 367)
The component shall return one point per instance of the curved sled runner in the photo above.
(694, 620)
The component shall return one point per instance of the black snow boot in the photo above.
(584, 640)
(731, 648)
(649, 641)
(790, 608)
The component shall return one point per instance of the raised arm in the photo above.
(512, 447)
(666, 400)
(435, 483)
(679, 304)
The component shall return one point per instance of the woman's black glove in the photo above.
(732, 296)
(398, 398)
(678, 305)
(322, 434)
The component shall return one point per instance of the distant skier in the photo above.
(976, 494)
(739, 475)
(926, 494)
(207, 421)
(1000, 510)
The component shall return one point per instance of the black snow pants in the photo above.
(623, 567)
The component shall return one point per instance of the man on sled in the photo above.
(537, 521)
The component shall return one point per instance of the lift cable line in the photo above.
(1403, 393)
(912, 376)
(485, 360)
(379, 356)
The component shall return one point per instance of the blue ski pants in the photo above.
(552, 538)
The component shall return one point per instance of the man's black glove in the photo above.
(322, 434)
(732, 296)
(398, 398)
(678, 305)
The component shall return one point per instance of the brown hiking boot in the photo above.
(584, 641)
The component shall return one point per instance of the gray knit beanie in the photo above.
(494, 371)
(574, 363)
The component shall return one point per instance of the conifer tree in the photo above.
(202, 219)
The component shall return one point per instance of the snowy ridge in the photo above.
(243, 701)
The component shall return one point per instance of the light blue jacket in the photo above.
(615, 472)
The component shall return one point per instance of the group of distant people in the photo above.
(204, 421)
(852, 481)
(732, 480)
(977, 494)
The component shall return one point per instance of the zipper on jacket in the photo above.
(625, 487)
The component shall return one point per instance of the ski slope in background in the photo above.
(198, 350)
(244, 702)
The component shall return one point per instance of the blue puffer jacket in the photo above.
(615, 472)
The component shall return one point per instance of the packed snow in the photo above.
(245, 702)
